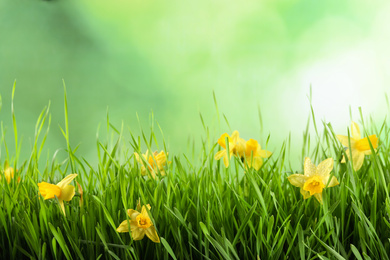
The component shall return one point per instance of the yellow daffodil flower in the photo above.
(154, 161)
(140, 224)
(359, 146)
(63, 191)
(236, 147)
(8, 173)
(254, 155)
(314, 179)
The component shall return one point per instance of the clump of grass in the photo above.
(201, 209)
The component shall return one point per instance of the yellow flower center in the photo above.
(142, 221)
(314, 185)
(363, 144)
(48, 190)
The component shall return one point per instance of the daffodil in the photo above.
(236, 147)
(140, 225)
(314, 179)
(359, 146)
(62, 190)
(9, 174)
(254, 154)
(155, 162)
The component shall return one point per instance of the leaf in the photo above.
(168, 247)
(356, 252)
(60, 240)
(244, 223)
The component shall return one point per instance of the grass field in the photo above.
(199, 208)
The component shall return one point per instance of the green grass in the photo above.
(201, 209)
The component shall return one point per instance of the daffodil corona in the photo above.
(359, 146)
(155, 162)
(140, 225)
(314, 179)
(62, 190)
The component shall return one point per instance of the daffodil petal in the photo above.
(219, 154)
(257, 163)
(355, 131)
(264, 153)
(297, 180)
(137, 233)
(62, 206)
(368, 152)
(348, 152)
(68, 179)
(325, 167)
(344, 140)
(137, 157)
(226, 161)
(133, 225)
(144, 211)
(132, 214)
(235, 135)
(309, 168)
(222, 140)
(151, 233)
(333, 182)
(67, 193)
(123, 227)
(305, 194)
(358, 159)
(318, 196)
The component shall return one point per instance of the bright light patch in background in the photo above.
(352, 76)
(351, 79)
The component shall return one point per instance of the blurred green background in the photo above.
(170, 56)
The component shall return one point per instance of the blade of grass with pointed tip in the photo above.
(60, 240)
(168, 248)
(244, 223)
